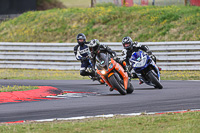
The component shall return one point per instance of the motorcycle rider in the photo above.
(81, 52)
(129, 48)
(96, 48)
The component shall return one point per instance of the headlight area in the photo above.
(103, 72)
(141, 63)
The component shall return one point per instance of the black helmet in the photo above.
(94, 45)
(127, 43)
(81, 36)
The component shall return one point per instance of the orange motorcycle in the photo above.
(113, 74)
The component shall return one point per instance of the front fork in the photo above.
(156, 70)
(107, 82)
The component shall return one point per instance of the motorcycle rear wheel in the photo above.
(116, 84)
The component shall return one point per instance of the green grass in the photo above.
(175, 123)
(108, 24)
(34, 74)
(76, 3)
(180, 75)
(168, 2)
(75, 75)
(16, 88)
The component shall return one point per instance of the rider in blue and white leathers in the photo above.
(81, 52)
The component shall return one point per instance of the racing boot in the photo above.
(92, 78)
(141, 82)
(134, 75)
(159, 68)
(111, 89)
(94, 75)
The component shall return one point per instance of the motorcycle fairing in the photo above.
(124, 75)
(137, 57)
(114, 65)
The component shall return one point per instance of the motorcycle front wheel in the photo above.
(116, 84)
(154, 80)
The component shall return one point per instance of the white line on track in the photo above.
(103, 116)
(112, 115)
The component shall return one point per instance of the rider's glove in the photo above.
(116, 58)
(113, 54)
(149, 52)
(135, 42)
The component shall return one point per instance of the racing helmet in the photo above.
(79, 37)
(127, 43)
(94, 45)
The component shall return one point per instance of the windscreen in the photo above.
(102, 60)
(136, 56)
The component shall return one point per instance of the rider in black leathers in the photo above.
(129, 48)
(96, 48)
(81, 52)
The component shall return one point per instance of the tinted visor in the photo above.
(80, 37)
(80, 40)
(127, 44)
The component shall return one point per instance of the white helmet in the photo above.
(94, 43)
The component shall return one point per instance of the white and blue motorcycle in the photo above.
(146, 69)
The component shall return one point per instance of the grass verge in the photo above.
(34, 74)
(76, 3)
(108, 24)
(75, 75)
(176, 123)
(16, 88)
(180, 75)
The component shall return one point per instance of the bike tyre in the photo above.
(116, 84)
(154, 80)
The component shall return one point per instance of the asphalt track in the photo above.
(176, 95)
